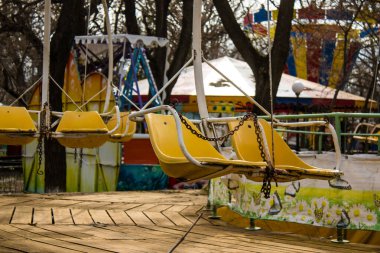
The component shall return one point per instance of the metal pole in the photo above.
(252, 225)
(198, 78)
(298, 111)
(338, 128)
(46, 55)
(197, 52)
(110, 56)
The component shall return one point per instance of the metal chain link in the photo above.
(221, 138)
(41, 138)
(269, 170)
(270, 173)
(258, 137)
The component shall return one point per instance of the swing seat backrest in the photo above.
(81, 122)
(246, 146)
(81, 130)
(16, 126)
(164, 139)
(283, 155)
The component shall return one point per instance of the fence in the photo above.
(344, 124)
(11, 174)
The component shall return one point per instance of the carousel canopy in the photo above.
(240, 73)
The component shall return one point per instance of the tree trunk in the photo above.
(257, 62)
(184, 45)
(71, 22)
(159, 58)
(130, 17)
(372, 88)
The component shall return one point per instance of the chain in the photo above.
(258, 137)
(221, 138)
(269, 170)
(43, 132)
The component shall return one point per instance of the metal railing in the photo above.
(344, 124)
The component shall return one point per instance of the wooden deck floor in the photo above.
(135, 222)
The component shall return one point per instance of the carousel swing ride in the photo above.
(184, 151)
(189, 156)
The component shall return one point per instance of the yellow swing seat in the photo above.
(81, 130)
(16, 126)
(246, 146)
(374, 129)
(126, 129)
(164, 139)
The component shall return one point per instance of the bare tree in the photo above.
(21, 47)
(259, 62)
(71, 22)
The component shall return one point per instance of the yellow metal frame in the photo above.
(245, 145)
(16, 126)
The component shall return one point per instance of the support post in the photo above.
(214, 215)
(197, 52)
(252, 226)
(46, 55)
(298, 111)
(341, 231)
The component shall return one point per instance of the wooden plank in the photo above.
(101, 217)
(260, 239)
(148, 238)
(191, 210)
(139, 218)
(90, 205)
(166, 237)
(6, 214)
(31, 246)
(38, 202)
(62, 216)
(143, 207)
(67, 231)
(4, 234)
(120, 217)
(62, 203)
(7, 248)
(143, 232)
(122, 206)
(9, 200)
(214, 240)
(158, 208)
(81, 216)
(159, 219)
(176, 208)
(22, 215)
(104, 233)
(193, 217)
(42, 215)
(93, 236)
(62, 242)
(177, 218)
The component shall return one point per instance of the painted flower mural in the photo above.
(319, 207)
